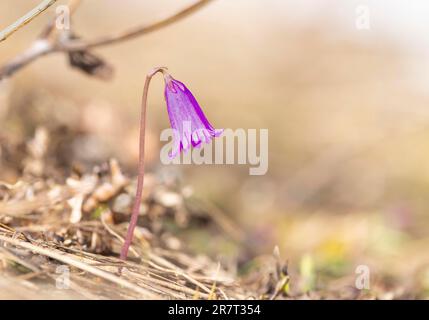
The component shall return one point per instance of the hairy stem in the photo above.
(141, 168)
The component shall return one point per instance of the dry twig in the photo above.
(4, 34)
(68, 43)
(69, 260)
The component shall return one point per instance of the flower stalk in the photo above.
(141, 166)
(189, 124)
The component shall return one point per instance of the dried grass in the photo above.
(80, 224)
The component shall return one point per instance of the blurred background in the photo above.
(346, 108)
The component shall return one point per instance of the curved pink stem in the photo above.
(140, 178)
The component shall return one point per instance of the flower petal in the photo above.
(187, 117)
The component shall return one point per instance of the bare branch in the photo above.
(38, 49)
(133, 32)
(47, 43)
(4, 34)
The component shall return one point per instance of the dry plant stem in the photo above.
(75, 45)
(64, 44)
(4, 34)
(66, 259)
(140, 178)
(39, 49)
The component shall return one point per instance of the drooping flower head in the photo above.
(190, 125)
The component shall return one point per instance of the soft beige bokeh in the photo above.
(346, 109)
